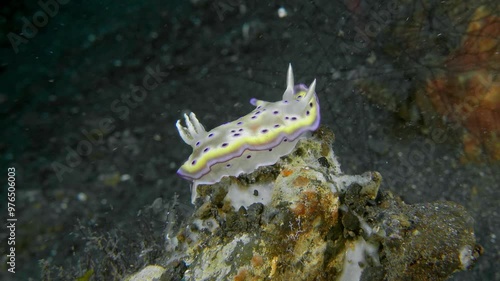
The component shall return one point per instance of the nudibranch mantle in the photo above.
(257, 139)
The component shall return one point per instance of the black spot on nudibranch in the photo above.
(276, 112)
(193, 163)
(210, 135)
(197, 143)
(206, 149)
(228, 165)
(232, 131)
(270, 149)
(286, 118)
(239, 123)
(224, 144)
(264, 131)
(276, 126)
(307, 113)
(294, 118)
(253, 117)
(311, 104)
(249, 156)
(240, 130)
(236, 135)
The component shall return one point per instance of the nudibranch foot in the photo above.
(257, 139)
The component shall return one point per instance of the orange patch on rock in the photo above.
(257, 261)
(242, 275)
(286, 172)
(310, 201)
(300, 181)
(299, 209)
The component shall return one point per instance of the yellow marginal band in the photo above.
(253, 140)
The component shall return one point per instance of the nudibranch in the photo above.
(257, 139)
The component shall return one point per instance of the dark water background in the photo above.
(92, 152)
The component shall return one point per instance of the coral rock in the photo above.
(303, 219)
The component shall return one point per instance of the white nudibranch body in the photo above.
(257, 139)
